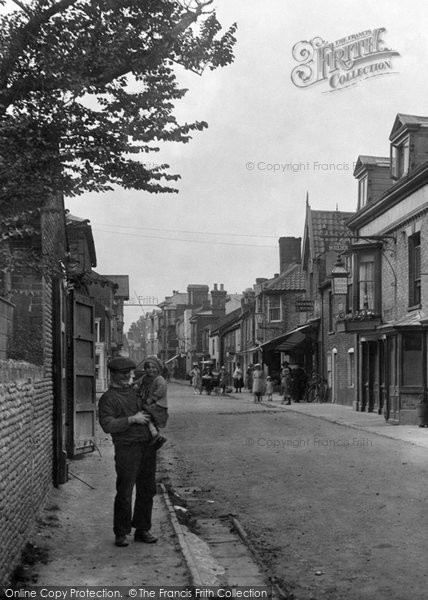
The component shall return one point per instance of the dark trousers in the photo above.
(135, 466)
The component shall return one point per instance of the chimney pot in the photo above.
(215, 287)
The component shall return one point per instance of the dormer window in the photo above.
(400, 159)
(362, 191)
(374, 178)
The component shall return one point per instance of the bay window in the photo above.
(366, 282)
(366, 288)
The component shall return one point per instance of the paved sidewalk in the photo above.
(345, 415)
(76, 529)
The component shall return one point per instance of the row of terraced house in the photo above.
(349, 300)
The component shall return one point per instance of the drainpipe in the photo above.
(321, 357)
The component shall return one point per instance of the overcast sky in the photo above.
(224, 224)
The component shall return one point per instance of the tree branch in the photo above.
(23, 7)
(25, 85)
(22, 37)
(146, 59)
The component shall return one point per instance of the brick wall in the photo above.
(27, 406)
(26, 455)
(6, 326)
(395, 293)
(338, 344)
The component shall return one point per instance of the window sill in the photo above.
(414, 307)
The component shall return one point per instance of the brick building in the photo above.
(276, 314)
(172, 309)
(332, 355)
(32, 388)
(225, 341)
(250, 349)
(121, 294)
(47, 368)
(388, 298)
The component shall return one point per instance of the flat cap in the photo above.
(121, 363)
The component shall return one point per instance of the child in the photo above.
(152, 389)
(269, 388)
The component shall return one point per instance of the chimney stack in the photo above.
(289, 252)
(218, 297)
(197, 295)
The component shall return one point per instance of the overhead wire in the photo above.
(169, 239)
(250, 235)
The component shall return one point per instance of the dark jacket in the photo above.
(116, 405)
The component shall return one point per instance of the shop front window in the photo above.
(412, 359)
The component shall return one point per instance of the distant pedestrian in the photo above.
(297, 383)
(285, 383)
(249, 381)
(258, 383)
(208, 380)
(196, 376)
(121, 413)
(269, 388)
(238, 380)
(223, 380)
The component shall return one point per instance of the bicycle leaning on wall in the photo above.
(317, 389)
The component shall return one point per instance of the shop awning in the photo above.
(293, 338)
(171, 359)
(249, 350)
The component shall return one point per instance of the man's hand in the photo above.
(140, 418)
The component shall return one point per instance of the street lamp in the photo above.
(339, 277)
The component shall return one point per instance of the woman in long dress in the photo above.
(196, 379)
(258, 383)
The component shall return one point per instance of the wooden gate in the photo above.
(59, 295)
(83, 393)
